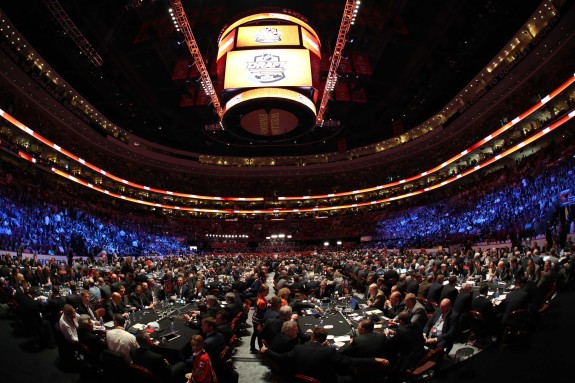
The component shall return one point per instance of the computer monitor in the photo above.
(353, 304)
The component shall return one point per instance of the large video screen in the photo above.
(268, 35)
(268, 68)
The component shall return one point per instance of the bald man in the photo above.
(115, 306)
(441, 328)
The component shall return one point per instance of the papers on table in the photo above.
(377, 326)
(372, 312)
(342, 338)
(109, 324)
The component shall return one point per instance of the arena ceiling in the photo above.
(421, 53)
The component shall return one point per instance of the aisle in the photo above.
(251, 367)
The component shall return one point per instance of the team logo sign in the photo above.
(266, 68)
(268, 35)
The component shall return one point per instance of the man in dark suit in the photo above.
(449, 291)
(145, 357)
(376, 297)
(435, 289)
(180, 289)
(115, 306)
(413, 285)
(223, 325)
(273, 327)
(416, 309)
(424, 286)
(517, 299)
(367, 343)
(84, 306)
(287, 339)
(87, 336)
(464, 299)
(323, 291)
(139, 300)
(317, 360)
(484, 306)
(407, 342)
(441, 328)
(394, 305)
(233, 305)
(74, 298)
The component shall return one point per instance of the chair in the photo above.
(429, 305)
(479, 329)
(515, 327)
(114, 366)
(425, 368)
(141, 374)
(100, 312)
(300, 378)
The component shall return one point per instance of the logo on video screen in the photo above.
(266, 68)
(268, 35)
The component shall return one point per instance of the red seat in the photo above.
(425, 368)
(305, 379)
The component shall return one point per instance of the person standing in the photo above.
(258, 317)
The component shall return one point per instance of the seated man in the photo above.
(441, 328)
(68, 324)
(223, 325)
(287, 339)
(120, 340)
(367, 343)
(139, 300)
(145, 357)
(376, 297)
(319, 361)
(115, 306)
(87, 336)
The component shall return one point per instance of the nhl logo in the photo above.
(268, 35)
(266, 68)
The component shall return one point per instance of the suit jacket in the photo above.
(81, 309)
(282, 344)
(463, 302)
(408, 345)
(180, 291)
(139, 301)
(413, 287)
(271, 329)
(418, 315)
(313, 359)
(483, 305)
(194, 293)
(434, 292)
(112, 309)
(154, 362)
(423, 289)
(367, 345)
(450, 322)
(378, 301)
(319, 294)
(517, 299)
(449, 292)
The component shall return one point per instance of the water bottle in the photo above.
(172, 325)
(102, 321)
(320, 322)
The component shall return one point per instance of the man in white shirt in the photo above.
(120, 340)
(68, 323)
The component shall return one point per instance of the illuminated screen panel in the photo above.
(285, 94)
(227, 44)
(310, 42)
(268, 16)
(272, 122)
(268, 35)
(267, 68)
